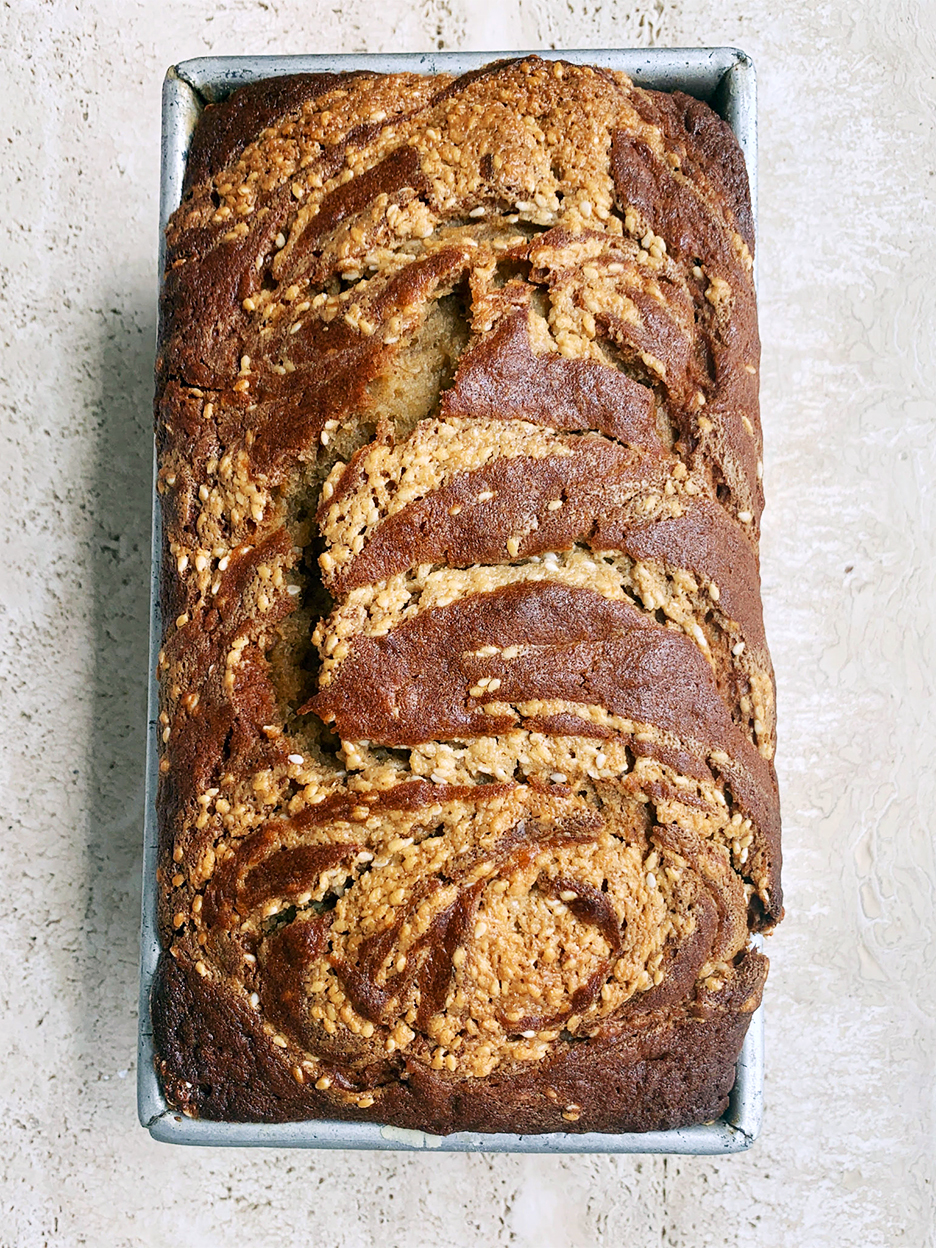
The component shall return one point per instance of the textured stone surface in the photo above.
(847, 232)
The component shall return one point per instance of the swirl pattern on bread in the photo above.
(467, 798)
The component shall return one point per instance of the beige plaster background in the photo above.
(847, 262)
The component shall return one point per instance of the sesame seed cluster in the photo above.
(467, 800)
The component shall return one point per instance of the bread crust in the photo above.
(467, 800)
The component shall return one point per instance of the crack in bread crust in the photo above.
(467, 802)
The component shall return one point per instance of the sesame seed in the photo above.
(745, 517)
(295, 758)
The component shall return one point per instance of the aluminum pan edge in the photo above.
(723, 77)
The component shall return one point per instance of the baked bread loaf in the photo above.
(467, 801)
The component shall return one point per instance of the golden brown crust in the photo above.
(467, 799)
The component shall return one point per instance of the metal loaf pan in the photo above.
(724, 78)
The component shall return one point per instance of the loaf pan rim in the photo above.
(724, 77)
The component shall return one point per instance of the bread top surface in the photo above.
(467, 711)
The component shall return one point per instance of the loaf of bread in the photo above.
(467, 801)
